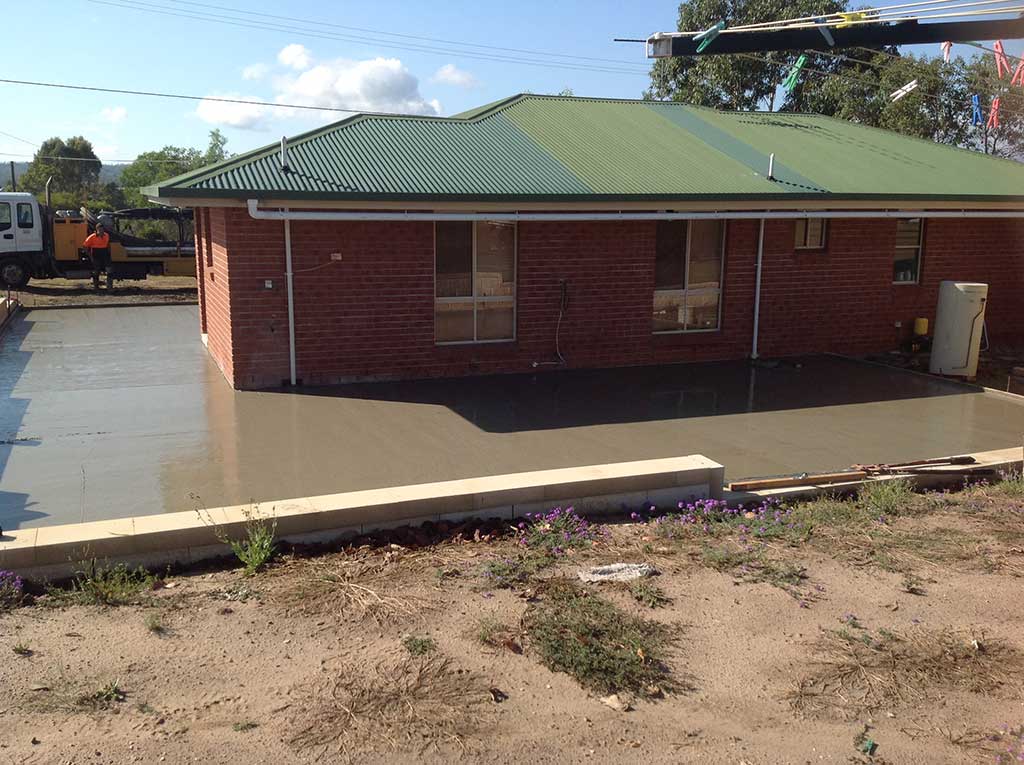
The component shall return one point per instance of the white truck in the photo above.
(38, 243)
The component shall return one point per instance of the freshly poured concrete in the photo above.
(116, 412)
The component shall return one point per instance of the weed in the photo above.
(419, 646)
(1010, 485)
(145, 708)
(103, 697)
(1012, 740)
(12, 590)
(420, 703)
(492, 632)
(154, 624)
(887, 498)
(22, 650)
(754, 566)
(257, 548)
(100, 585)
(332, 589)
(244, 726)
(507, 573)
(587, 637)
(887, 668)
(557, 531)
(648, 594)
(912, 585)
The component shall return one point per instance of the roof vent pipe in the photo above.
(284, 155)
(771, 165)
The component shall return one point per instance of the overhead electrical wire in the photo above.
(616, 68)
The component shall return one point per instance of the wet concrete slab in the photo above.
(114, 412)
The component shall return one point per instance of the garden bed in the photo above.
(885, 629)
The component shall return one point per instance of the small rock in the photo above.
(498, 695)
(616, 703)
(617, 572)
(35, 741)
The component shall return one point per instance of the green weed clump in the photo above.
(101, 585)
(419, 646)
(648, 594)
(508, 573)
(604, 648)
(257, 548)
(885, 498)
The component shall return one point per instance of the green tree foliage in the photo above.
(153, 166)
(852, 85)
(72, 164)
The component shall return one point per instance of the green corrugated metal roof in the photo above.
(562, 148)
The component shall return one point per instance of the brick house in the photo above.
(540, 233)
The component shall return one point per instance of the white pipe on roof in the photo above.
(352, 215)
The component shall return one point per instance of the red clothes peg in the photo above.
(1002, 63)
(993, 114)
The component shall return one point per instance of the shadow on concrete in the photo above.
(579, 398)
(14, 506)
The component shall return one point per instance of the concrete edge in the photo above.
(124, 304)
(9, 308)
(187, 537)
(938, 477)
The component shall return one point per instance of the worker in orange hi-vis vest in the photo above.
(98, 246)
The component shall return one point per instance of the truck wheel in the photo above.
(13, 273)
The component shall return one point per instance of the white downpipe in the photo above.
(339, 215)
(291, 294)
(757, 289)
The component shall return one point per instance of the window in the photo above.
(5, 216)
(810, 234)
(24, 215)
(688, 275)
(906, 262)
(474, 281)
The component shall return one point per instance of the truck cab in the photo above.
(22, 238)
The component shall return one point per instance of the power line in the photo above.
(89, 159)
(448, 52)
(18, 138)
(485, 46)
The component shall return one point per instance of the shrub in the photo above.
(12, 590)
(557, 531)
(766, 520)
(506, 573)
(419, 646)
(257, 548)
(604, 648)
(884, 498)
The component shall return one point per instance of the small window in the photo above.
(810, 234)
(5, 216)
(474, 281)
(906, 264)
(688, 275)
(24, 215)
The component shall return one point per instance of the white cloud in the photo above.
(114, 114)
(295, 56)
(449, 74)
(255, 72)
(378, 85)
(242, 116)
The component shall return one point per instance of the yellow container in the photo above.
(920, 327)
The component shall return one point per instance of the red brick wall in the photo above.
(370, 315)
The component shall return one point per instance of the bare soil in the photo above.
(904, 631)
(67, 293)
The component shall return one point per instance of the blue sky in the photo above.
(107, 44)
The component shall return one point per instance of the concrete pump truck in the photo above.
(37, 242)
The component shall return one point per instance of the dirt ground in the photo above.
(80, 292)
(882, 630)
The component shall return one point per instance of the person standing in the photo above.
(98, 245)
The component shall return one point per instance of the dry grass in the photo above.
(414, 705)
(858, 671)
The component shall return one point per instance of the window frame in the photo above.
(685, 291)
(824, 234)
(920, 254)
(474, 298)
(10, 217)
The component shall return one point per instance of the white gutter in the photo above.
(341, 215)
(757, 289)
(291, 294)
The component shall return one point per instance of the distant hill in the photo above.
(108, 173)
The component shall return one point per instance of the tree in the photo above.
(736, 81)
(154, 166)
(72, 164)
(852, 85)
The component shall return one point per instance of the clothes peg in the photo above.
(794, 74)
(897, 95)
(1002, 64)
(993, 114)
(976, 118)
(947, 47)
(825, 32)
(1018, 76)
(708, 36)
(850, 17)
